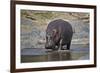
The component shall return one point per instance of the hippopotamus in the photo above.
(58, 33)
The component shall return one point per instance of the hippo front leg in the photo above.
(60, 45)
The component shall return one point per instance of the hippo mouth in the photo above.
(49, 47)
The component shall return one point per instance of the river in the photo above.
(77, 52)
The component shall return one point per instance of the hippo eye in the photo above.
(46, 37)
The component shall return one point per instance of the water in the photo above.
(77, 52)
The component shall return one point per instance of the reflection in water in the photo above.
(50, 56)
(41, 55)
(55, 56)
(59, 56)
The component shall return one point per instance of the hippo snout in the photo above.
(49, 46)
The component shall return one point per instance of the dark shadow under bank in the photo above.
(77, 52)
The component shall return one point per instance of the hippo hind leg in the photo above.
(68, 45)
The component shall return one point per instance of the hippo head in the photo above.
(52, 38)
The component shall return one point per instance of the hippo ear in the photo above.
(54, 31)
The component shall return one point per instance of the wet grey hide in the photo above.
(58, 34)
